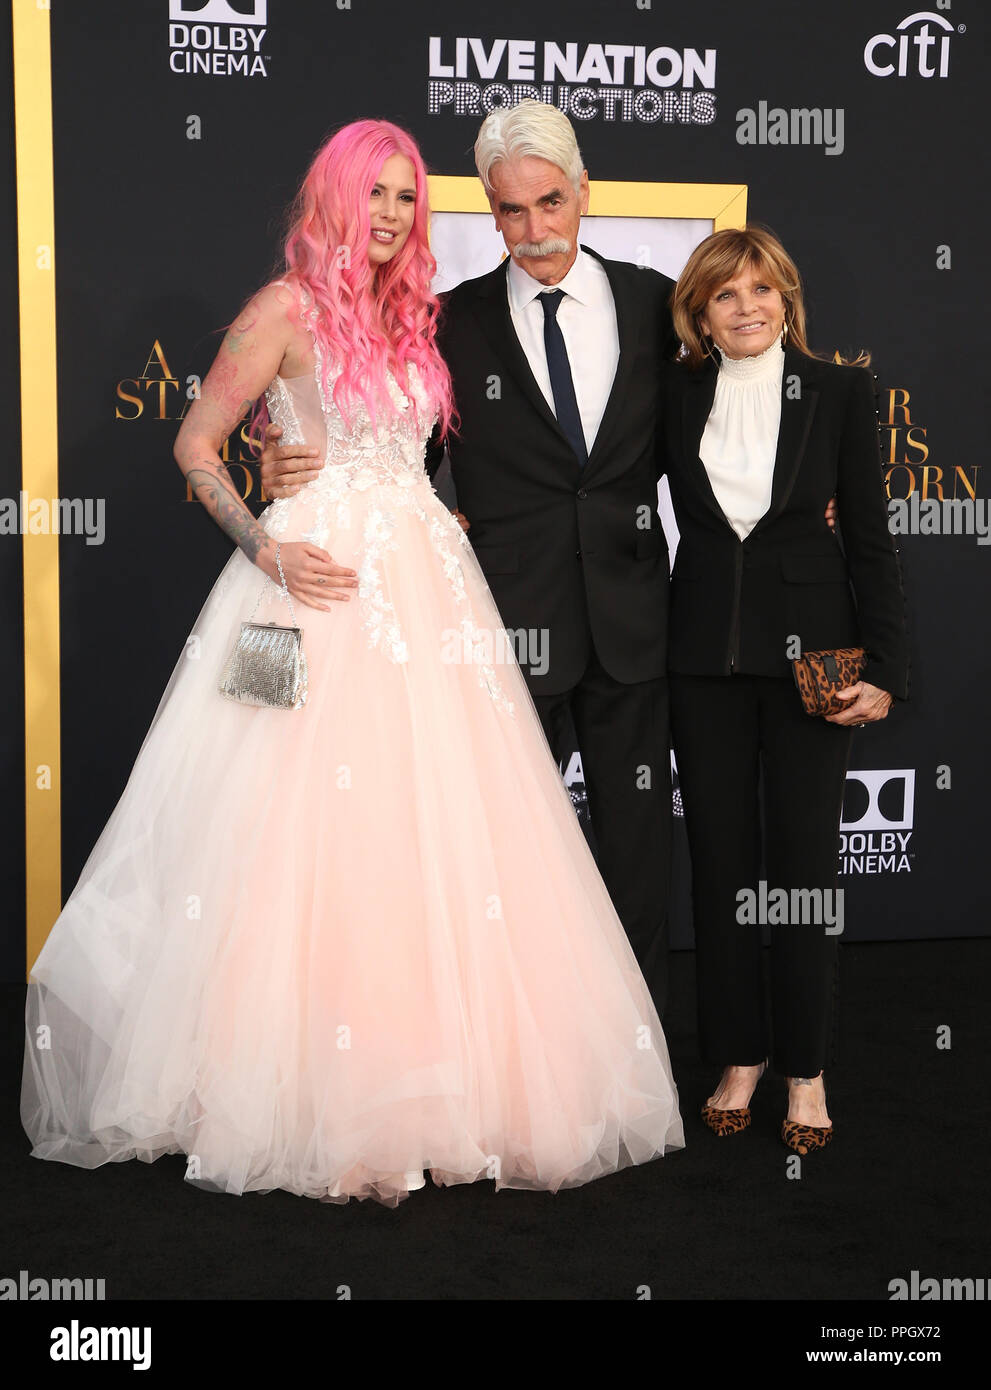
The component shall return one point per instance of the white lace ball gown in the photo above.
(328, 949)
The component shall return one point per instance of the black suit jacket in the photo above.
(560, 544)
(735, 604)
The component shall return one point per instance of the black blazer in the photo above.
(735, 604)
(559, 543)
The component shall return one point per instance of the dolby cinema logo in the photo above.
(217, 38)
(919, 47)
(877, 819)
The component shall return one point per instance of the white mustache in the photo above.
(554, 246)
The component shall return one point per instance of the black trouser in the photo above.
(729, 732)
(623, 739)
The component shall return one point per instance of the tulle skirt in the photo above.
(332, 949)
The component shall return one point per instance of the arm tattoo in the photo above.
(215, 490)
(239, 330)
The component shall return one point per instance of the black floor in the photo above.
(903, 1187)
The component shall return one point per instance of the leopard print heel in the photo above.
(724, 1122)
(805, 1138)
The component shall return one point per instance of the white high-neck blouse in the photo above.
(740, 438)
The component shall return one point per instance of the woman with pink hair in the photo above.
(343, 926)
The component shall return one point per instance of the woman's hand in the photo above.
(311, 574)
(462, 520)
(866, 705)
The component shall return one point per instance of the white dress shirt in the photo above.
(587, 316)
(740, 438)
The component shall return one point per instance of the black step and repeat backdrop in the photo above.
(180, 132)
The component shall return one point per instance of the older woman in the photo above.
(759, 434)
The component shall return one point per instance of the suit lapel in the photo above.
(696, 403)
(628, 328)
(798, 404)
(492, 309)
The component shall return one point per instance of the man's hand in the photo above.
(285, 468)
(311, 574)
(462, 520)
(831, 513)
(867, 705)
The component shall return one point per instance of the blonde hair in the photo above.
(532, 129)
(721, 257)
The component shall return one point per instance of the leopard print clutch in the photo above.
(819, 675)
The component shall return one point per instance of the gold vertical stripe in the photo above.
(39, 465)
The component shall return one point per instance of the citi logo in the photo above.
(926, 52)
(218, 12)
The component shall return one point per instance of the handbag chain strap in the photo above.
(285, 589)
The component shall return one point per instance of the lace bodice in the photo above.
(356, 455)
(385, 466)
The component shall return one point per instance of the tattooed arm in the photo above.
(249, 357)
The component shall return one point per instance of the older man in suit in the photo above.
(556, 358)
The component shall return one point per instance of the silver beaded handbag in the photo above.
(267, 666)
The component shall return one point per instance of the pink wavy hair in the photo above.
(369, 318)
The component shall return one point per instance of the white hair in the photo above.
(530, 130)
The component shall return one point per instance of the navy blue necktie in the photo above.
(559, 368)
